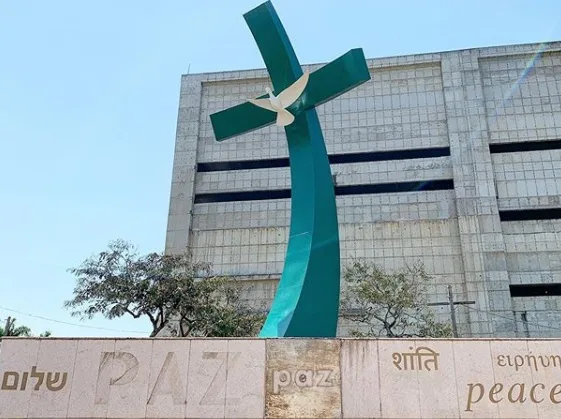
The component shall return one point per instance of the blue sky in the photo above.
(88, 105)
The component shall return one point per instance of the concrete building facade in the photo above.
(454, 159)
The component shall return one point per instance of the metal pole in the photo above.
(8, 325)
(524, 316)
(452, 311)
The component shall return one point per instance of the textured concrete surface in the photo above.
(465, 100)
(279, 378)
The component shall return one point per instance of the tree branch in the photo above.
(152, 319)
(132, 313)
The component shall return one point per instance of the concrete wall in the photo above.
(465, 100)
(281, 378)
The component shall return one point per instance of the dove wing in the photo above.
(289, 95)
(284, 118)
(263, 103)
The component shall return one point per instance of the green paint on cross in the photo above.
(330, 81)
(307, 300)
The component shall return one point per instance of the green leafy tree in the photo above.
(172, 291)
(384, 304)
(10, 329)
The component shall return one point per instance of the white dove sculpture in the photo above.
(284, 99)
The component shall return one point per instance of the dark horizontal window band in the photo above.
(420, 153)
(534, 290)
(429, 185)
(242, 165)
(242, 196)
(530, 214)
(525, 146)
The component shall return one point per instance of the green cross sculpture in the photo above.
(306, 303)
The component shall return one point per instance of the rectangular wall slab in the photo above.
(303, 378)
(280, 378)
(132, 378)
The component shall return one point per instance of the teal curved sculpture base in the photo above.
(307, 300)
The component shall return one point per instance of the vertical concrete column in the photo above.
(184, 165)
(481, 237)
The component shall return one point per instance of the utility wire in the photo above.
(511, 318)
(72, 324)
(143, 333)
